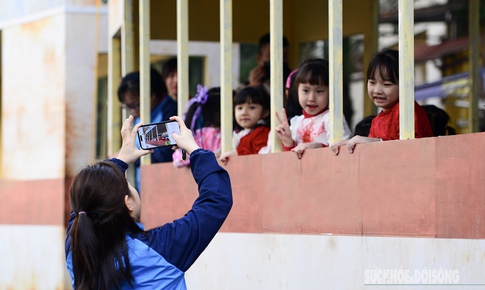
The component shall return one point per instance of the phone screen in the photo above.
(158, 134)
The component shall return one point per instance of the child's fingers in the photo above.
(350, 147)
(282, 119)
(299, 151)
(335, 150)
(278, 117)
(285, 119)
(223, 160)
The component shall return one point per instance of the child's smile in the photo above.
(311, 108)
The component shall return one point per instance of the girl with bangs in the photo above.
(312, 128)
(251, 123)
(383, 89)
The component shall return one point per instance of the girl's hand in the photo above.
(128, 152)
(224, 157)
(283, 129)
(351, 143)
(358, 140)
(186, 139)
(300, 148)
(336, 146)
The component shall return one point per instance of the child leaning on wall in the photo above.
(251, 116)
(312, 128)
(203, 118)
(383, 89)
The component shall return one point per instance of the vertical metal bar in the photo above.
(226, 74)
(127, 60)
(96, 88)
(370, 47)
(2, 170)
(406, 69)
(276, 57)
(144, 14)
(114, 111)
(127, 41)
(182, 55)
(336, 69)
(474, 28)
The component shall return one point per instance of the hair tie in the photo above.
(200, 97)
(288, 79)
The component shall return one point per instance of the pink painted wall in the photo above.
(32, 202)
(427, 187)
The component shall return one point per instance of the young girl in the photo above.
(383, 89)
(251, 114)
(203, 118)
(312, 129)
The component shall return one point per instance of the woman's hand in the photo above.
(283, 129)
(186, 139)
(128, 152)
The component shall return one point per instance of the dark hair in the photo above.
(210, 115)
(169, 67)
(99, 251)
(265, 40)
(252, 95)
(439, 119)
(292, 104)
(313, 71)
(363, 127)
(131, 83)
(387, 62)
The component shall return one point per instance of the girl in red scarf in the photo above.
(383, 89)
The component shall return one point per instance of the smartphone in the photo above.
(158, 134)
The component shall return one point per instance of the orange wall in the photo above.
(427, 187)
(32, 202)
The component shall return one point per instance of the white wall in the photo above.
(294, 262)
(33, 99)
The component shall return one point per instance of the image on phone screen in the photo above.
(158, 134)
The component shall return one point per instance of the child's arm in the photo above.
(224, 158)
(351, 143)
